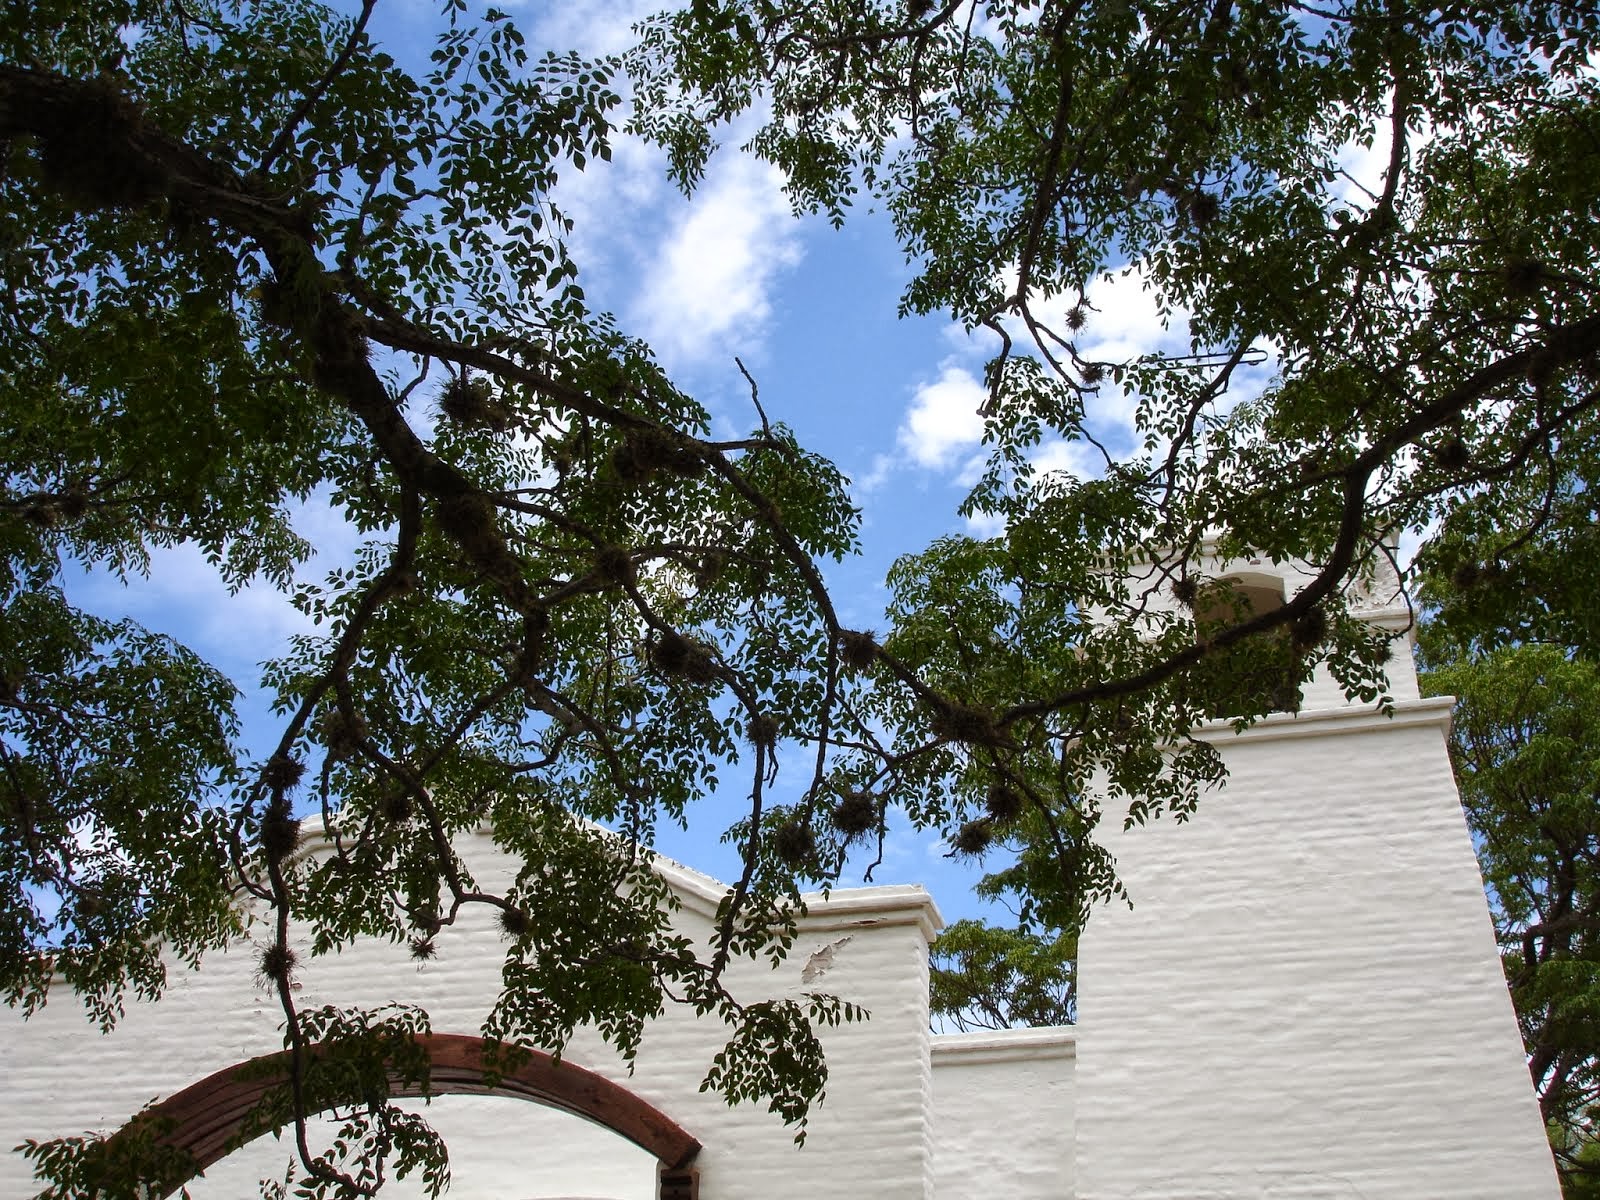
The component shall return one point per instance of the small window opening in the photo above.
(1260, 673)
(1238, 599)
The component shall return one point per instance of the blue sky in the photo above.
(810, 311)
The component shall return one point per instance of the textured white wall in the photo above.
(500, 1148)
(1305, 1000)
(868, 946)
(1002, 1115)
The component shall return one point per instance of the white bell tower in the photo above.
(1306, 1000)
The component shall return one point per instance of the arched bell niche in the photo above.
(1260, 672)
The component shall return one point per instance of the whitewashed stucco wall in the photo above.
(1003, 1110)
(868, 946)
(501, 1148)
(1305, 1000)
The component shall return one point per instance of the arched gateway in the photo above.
(872, 1136)
(204, 1121)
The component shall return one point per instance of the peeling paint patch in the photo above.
(821, 960)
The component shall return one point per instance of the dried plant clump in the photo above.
(514, 922)
(640, 454)
(613, 565)
(644, 452)
(465, 516)
(1522, 276)
(855, 814)
(1453, 454)
(710, 568)
(1186, 590)
(536, 619)
(670, 652)
(281, 305)
(72, 504)
(1003, 803)
(858, 649)
(1541, 368)
(633, 950)
(1309, 629)
(422, 949)
(426, 919)
(1467, 574)
(762, 730)
(399, 583)
(342, 733)
(472, 402)
(972, 839)
(277, 963)
(396, 808)
(90, 904)
(280, 831)
(343, 354)
(282, 772)
(1203, 208)
(969, 724)
(89, 153)
(701, 667)
(684, 658)
(686, 464)
(794, 843)
(42, 514)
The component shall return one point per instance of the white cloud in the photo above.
(693, 277)
(979, 344)
(707, 288)
(595, 29)
(942, 428)
(1077, 459)
(985, 525)
(877, 474)
(186, 597)
(614, 206)
(1362, 169)
(1124, 321)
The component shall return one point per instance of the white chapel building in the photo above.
(1304, 1003)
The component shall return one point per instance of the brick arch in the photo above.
(204, 1119)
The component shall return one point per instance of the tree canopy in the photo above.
(250, 257)
(1527, 756)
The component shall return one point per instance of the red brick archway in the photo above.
(204, 1120)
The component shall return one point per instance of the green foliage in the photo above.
(248, 258)
(1434, 337)
(1521, 562)
(128, 1167)
(775, 1055)
(1432, 325)
(105, 866)
(1526, 749)
(988, 977)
